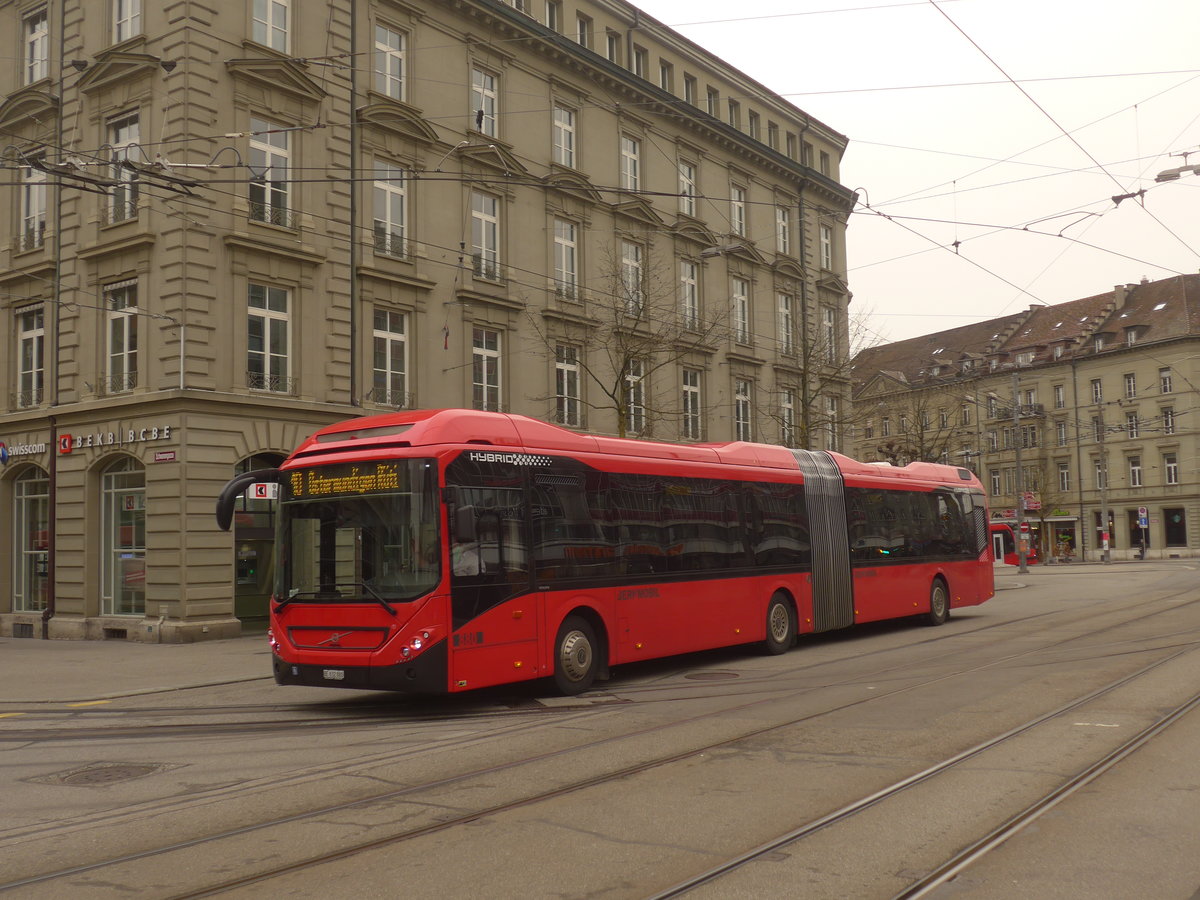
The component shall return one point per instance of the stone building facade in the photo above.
(233, 223)
(1098, 396)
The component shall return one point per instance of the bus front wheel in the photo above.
(575, 663)
(939, 603)
(781, 626)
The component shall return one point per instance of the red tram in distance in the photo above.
(447, 550)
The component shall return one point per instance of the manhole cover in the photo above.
(100, 774)
(711, 676)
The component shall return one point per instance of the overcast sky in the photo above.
(947, 146)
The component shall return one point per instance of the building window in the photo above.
(270, 24)
(554, 17)
(787, 324)
(584, 31)
(826, 164)
(993, 440)
(566, 260)
(690, 93)
(830, 427)
(1097, 391)
(268, 360)
(1097, 429)
(31, 343)
(631, 160)
(1168, 420)
(31, 521)
(689, 294)
(806, 154)
(632, 277)
(1175, 527)
(787, 417)
(772, 135)
(964, 415)
(1101, 481)
(1060, 432)
(753, 126)
(485, 369)
(122, 304)
(612, 47)
(270, 160)
(789, 143)
(741, 410)
(485, 235)
(713, 102)
(484, 100)
(829, 332)
(1132, 426)
(391, 210)
(783, 230)
(687, 188)
(564, 136)
(735, 114)
(635, 396)
(1135, 471)
(1064, 476)
(389, 62)
(666, 76)
(826, 248)
(33, 208)
(123, 528)
(994, 482)
(390, 358)
(740, 289)
(1170, 468)
(1164, 381)
(1130, 386)
(641, 61)
(1098, 342)
(885, 427)
(566, 385)
(123, 135)
(127, 19)
(36, 42)
(1060, 397)
(737, 210)
(690, 401)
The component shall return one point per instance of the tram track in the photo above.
(994, 837)
(566, 788)
(394, 711)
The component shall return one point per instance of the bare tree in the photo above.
(927, 424)
(631, 326)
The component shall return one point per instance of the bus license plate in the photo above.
(335, 674)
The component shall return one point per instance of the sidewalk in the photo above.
(37, 671)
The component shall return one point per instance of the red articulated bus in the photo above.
(446, 550)
(1004, 546)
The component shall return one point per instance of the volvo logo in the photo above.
(334, 640)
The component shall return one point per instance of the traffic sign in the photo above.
(1143, 512)
(1143, 522)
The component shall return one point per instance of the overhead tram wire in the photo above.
(1067, 134)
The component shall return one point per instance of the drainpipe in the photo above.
(51, 530)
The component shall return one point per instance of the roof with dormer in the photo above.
(1152, 311)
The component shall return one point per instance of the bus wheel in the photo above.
(939, 603)
(781, 626)
(575, 663)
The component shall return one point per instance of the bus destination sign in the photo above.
(325, 481)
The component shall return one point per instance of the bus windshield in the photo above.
(358, 533)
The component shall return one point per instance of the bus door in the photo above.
(998, 545)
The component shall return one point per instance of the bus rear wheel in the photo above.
(939, 603)
(781, 626)
(575, 663)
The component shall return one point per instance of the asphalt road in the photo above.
(185, 771)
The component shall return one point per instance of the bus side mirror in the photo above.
(464, 525)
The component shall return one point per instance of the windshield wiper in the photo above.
(378, 599)
(332, 594)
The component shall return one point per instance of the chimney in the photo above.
(1119, 291)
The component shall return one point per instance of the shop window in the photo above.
(31, 540)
